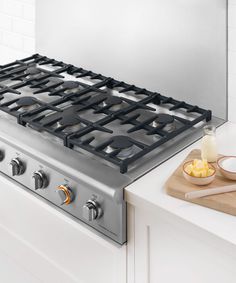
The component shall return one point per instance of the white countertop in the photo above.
(148, 191)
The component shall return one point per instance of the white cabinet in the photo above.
(164, 248)
(40, 244)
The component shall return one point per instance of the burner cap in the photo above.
(70, 84)
(33, 71)
(113, 100)
(26, 101)
(98, 98)
(69, 117)
(164, 119)
(55, 80)
(121, 142)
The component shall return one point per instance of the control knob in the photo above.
(17, 167)
(40, 180)
(92, 210)
(65, 194)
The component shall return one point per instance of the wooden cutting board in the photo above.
(177, 186)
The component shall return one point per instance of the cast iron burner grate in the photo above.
(88, 91)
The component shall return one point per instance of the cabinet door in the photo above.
(11, 271)
(168, 249)
(40, 242)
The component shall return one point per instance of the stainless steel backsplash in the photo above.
(175, 47)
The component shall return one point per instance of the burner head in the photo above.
(70, 120)
(69, 117)
(121, 142)
(114, 102)
(27, 103)
(33, 71)
(54, 80)
(164, 121)
(70, 84)
(124, 144)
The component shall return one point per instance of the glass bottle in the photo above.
(208, 145)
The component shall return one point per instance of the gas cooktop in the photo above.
(116, 122)
(77, 139)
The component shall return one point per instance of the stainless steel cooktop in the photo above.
(83, 137)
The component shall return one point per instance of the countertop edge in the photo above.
(148, 193)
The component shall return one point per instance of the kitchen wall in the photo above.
(17, 18)
(232, 60)
(154, 43)
(17, 33)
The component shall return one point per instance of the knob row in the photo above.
(18, 168)
(41, 181)
(91, 210)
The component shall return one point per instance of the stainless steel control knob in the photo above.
(40, 180)
(65, 194)
(92, 210)
(17, 166)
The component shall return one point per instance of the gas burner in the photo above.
(58, 85)
(27, 103)
(70, 129)
(54, 80)
(113, 102)
(69, 121)
(164, 121)
(55, 85)
(32, 72)
(71, 86)
(122, 143)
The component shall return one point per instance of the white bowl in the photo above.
(200, 181)
(227, 166)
